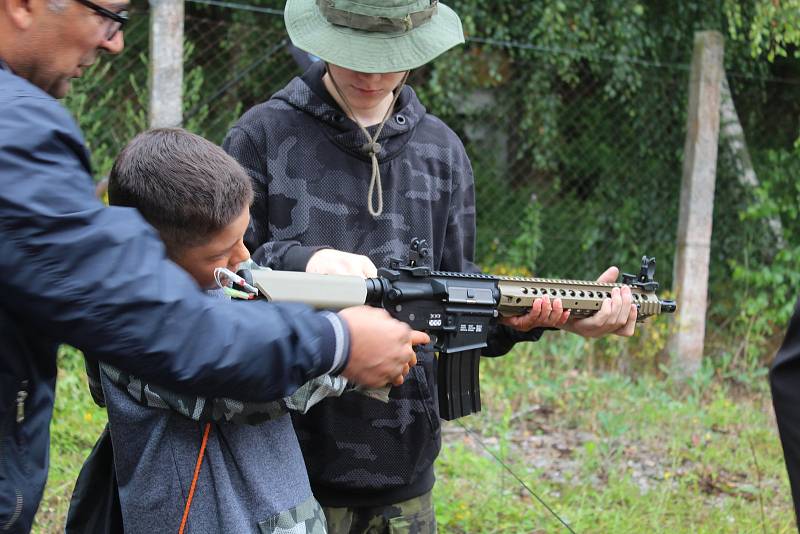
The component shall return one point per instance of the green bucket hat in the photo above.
(374, 36)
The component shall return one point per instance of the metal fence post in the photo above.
(166, 63)
(697, 204)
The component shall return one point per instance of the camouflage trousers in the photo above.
(414, 516)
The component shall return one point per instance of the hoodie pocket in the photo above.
(305, 518)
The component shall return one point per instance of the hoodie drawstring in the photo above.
(372, 147)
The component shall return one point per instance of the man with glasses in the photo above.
(97, 278)
(61, 39)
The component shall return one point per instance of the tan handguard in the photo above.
(582, 298)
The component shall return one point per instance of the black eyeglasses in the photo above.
(117, 21)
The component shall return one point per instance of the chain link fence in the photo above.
(577, 158)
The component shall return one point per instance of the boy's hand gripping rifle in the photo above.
(457, 310)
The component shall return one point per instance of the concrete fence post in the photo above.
(166, 63)
(690, 281)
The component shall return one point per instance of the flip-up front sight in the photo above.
(644, 279)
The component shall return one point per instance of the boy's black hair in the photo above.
(187, 187)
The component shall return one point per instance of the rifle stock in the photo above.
(457, 310)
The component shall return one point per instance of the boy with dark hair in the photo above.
(192, 193)
(212, 465)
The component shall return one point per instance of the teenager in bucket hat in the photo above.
(348, 167)
(372, 37)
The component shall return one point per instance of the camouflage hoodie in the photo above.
(311, 179)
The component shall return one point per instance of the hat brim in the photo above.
(371, 52)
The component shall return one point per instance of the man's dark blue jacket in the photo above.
(74, 271)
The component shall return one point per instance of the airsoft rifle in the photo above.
(457, 310)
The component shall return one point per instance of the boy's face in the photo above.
(224, 249)
(365, 91)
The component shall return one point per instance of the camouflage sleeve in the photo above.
(314, 391)
(224, 410)
(247, 148)
(459, 242)
(221, 410)
(239, 144)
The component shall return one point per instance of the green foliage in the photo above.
(767, 274)
(772, 30)
(92, 102)
(527, 245)
(110, 101)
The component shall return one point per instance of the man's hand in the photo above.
(617, 315)
(381, 348)
(543, 313)
(330, 261)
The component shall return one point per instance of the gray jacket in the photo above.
(252, 477)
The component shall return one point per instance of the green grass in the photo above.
(610, 453)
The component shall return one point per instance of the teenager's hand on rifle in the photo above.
(381, 348)
(617, 315)
(543, 313)
(331, 261)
